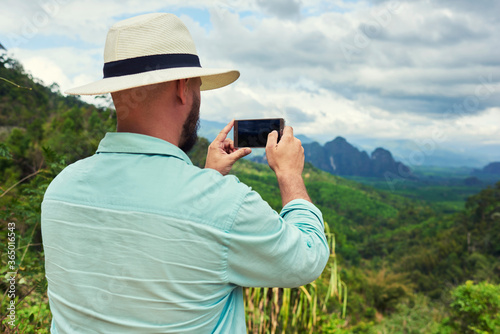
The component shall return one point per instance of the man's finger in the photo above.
(272, 139)
(224, 132)
(228, 143)
(288, 131)
(227, 146)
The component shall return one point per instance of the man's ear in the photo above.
(182, 90)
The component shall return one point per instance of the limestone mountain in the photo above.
(492, 169)
(339, 157)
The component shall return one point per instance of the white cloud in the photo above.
(46, 70)
(66, 65)
(485, 128)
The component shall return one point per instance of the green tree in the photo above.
(475, 308)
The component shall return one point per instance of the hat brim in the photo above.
(210, 79)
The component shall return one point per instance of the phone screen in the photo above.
(254, 132)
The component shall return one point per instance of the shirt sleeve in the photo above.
(268, 249)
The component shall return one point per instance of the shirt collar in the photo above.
(134, 143)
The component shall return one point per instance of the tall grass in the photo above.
(298, 310)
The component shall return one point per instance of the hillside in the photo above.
(396, 256)
(36, 116)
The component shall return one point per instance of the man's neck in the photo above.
(159, 128)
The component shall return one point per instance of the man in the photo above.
(136, 238)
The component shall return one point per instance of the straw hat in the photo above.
(150, 49)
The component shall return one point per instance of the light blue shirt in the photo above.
(138, 240)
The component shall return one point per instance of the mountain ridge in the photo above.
(339, 157)
(491, 169)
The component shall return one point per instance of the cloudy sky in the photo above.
(418, 77)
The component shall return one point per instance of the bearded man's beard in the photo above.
(189, 135)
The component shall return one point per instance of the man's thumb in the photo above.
(241, 153)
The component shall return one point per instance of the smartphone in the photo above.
(253, 132)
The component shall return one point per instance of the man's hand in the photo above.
(287, 156)
(286, 159)
(222, 154)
